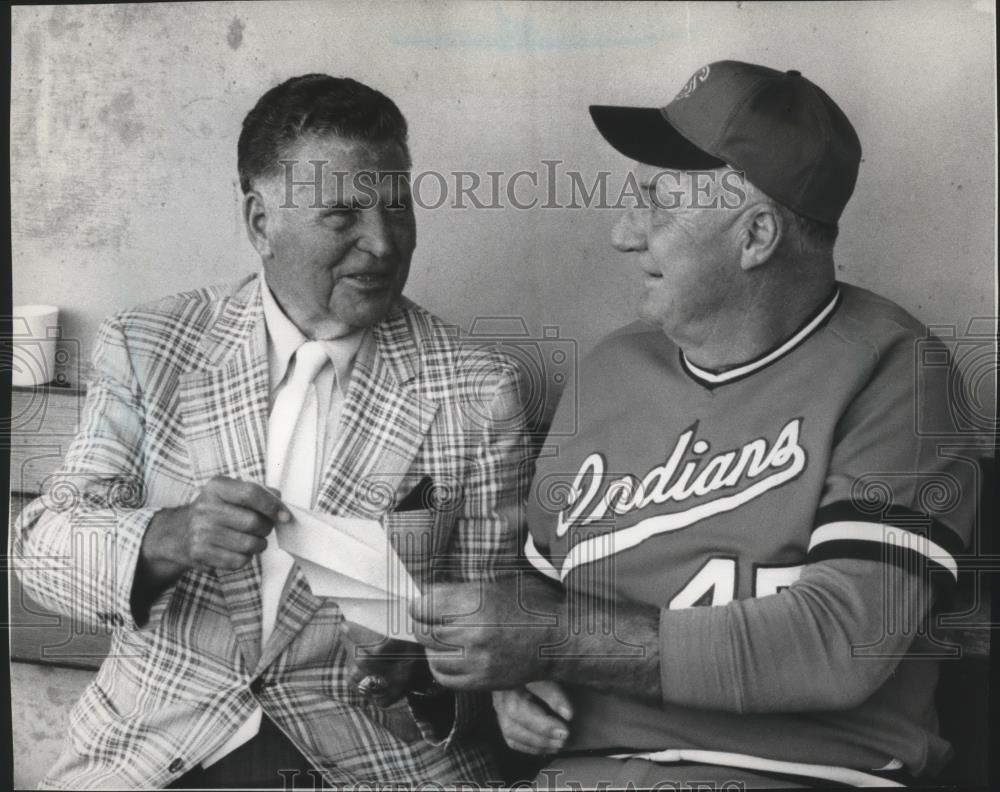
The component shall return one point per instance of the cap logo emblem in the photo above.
(697, 79)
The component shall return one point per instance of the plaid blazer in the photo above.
(180, 394)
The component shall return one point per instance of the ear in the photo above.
(255, 219)
(763, 230)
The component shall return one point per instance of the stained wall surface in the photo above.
(124, 120)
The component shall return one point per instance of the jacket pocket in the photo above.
(414, 535)
(398, 719)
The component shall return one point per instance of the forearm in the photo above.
(609, 646)
(793, 651)
(800, 650)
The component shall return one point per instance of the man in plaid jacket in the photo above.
(157, 520)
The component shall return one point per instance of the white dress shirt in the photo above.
(283, 339)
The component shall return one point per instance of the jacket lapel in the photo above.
(383, 425)
(223, 406)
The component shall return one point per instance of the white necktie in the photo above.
(291, 467)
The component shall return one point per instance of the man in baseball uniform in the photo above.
(739, 546)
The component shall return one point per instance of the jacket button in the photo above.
(175, 766)
(257, 685)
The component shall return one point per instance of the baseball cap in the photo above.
(783, 131)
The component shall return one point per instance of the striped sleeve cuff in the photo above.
(899, 536)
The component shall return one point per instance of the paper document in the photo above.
(351, 560)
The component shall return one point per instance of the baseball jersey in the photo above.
(684, 487)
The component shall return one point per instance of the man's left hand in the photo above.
(489, 635)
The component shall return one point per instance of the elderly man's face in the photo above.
(687, 247)
(340, 265)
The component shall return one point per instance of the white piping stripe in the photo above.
(538, 561)
(843, 775)
(886, 534)
(606, 544)
(792, 342)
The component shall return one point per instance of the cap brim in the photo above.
(643, 134)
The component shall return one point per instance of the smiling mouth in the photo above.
(370, 280)
(649, 272)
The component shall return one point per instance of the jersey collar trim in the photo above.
(712, 378)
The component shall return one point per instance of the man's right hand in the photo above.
(535, 718)
(224, 527)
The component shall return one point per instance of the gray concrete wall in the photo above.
(40, 697)
(124, 120)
